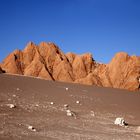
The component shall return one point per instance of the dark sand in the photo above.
(33, 107)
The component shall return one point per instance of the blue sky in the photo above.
(102, 27)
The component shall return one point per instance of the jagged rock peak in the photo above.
(30, 46)
(121, 56)
(47, 61)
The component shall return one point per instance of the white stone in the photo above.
(11, 105)
(119, 121)
(14, 95)
(31, 128)
(67, 88)
(52, 103)
(18, 89)
(77, 102)
(68, 111)
(66, 105)
(92, 113)
(36, 105)
(69, 114)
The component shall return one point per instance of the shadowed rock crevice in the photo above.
(1, 71)
(47, 61)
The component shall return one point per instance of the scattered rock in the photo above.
(37, 105)
(66, 106)
(11, 105)
(67, 89)
(92, 113)
(71, 113)
(17, 89)
(14, 95)
(31, 128)
(52, 103)
(120, 122)
(78, 102)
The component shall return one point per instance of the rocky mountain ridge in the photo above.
(47, 61)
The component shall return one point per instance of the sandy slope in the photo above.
(32, 98)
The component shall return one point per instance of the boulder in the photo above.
(120, 122)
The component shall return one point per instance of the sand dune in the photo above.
(93, 117)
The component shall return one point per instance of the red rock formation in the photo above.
(90, 79)
(124, 71)
(13, 63)
(47, 61)
(56, 62)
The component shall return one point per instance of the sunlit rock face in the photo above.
(47, 61)
(124, 71)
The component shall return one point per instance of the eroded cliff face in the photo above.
(124, 71)
(47, 61)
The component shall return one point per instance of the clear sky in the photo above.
(102, 27)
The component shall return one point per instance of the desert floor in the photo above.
(93, 117)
